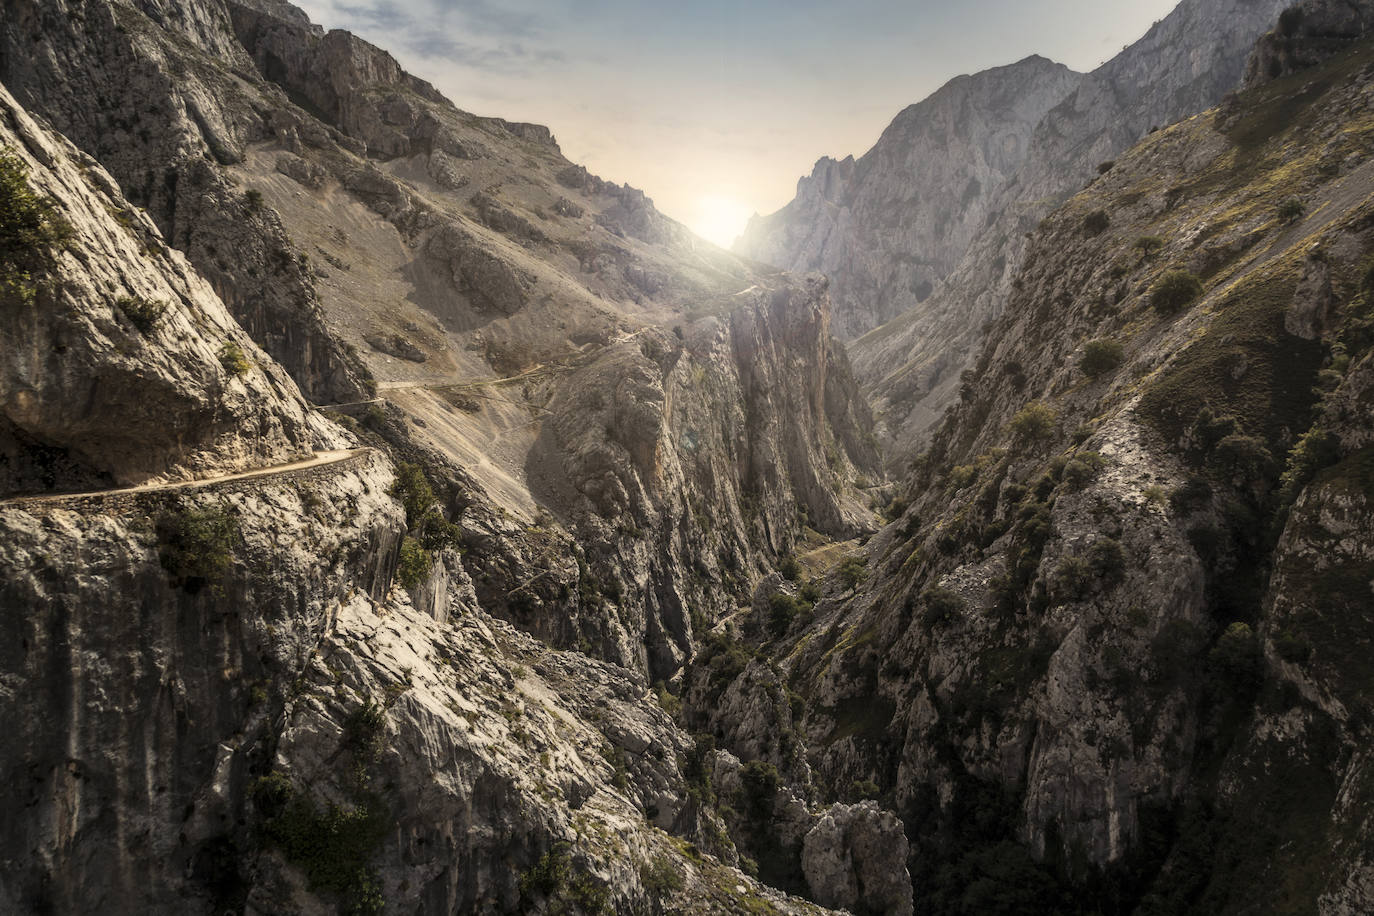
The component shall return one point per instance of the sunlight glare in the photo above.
(719, 220)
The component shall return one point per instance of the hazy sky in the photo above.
(714, 108)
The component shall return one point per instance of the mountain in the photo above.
(1183, 65)
(365, 461)
(887, 228)
(395, 517)
(1109, 655)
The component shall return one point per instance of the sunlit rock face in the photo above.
(1186, 63)
(888, 227)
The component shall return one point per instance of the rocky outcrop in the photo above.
(1307, 34)
(1113, 620)
(120, 363)
(243, 686)
(887, 228)
(118, 83)
(1186, 63)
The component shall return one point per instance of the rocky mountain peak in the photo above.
(887, 227)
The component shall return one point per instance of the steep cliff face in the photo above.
(887, 228)
(281, 686)
(120, 364)
(243, 692)
(1185, 64)
(1307, 34)
(1104, 659)
(496, 293)
(150, 92)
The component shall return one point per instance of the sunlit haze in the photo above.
(716, 108)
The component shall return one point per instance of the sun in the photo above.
(719, 219)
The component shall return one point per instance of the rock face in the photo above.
(1105, 652)
(120, 364)
(118, 83)
(890, 226)
(350, 684)
(911, 366)
(1307, 34)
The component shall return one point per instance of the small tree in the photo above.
(1174, 291)
(1147, 245)
(415, 563)
(853, 571)
(1291, 210)
(1096, 222)
(1034, 422)
(1101, 356)
(233, 360)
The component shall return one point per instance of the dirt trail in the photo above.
(321, 459)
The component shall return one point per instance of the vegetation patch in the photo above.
(142, 313)
(32, 232)
(1101, 356)
(196, 546)
(1246, 365)
(1175, 291)
(232, 358)
(332, 844)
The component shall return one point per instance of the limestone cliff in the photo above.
(293, 686)
(1183, 65)
(1105, 658)
(890, 226)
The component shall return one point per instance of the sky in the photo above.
(716, 108)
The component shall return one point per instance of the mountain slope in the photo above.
(1108, 658)
(887, 228)
(1185, 64)
(567, 438)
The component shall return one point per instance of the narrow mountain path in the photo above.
(319, 460)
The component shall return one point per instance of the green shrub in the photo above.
(790, 569)
(1291, 210)
(1072, 579)
(1147, 245)
(759, 781)
(1034, 422)
(1108, 561)
(861, 789)
(31, 229)
(1174, 291)
(782, 610)
(554, 879)
(1292, 647)
(142, 313)
(414, 565)
(962, 475)
(660, 877)
(1242, 457)
(333, 846)
(1101, 356)
(1318, 448)
(252, 198)
(424, 517)
(196, 546)
(232, 359)
(941, 606)
(1096, 222)
(853, 571)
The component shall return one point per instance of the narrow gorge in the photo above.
(397, 517)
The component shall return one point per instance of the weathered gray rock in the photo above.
(1185, 64)
(855, 859)
(887, 228)
(114, 367)
(1307, 34)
